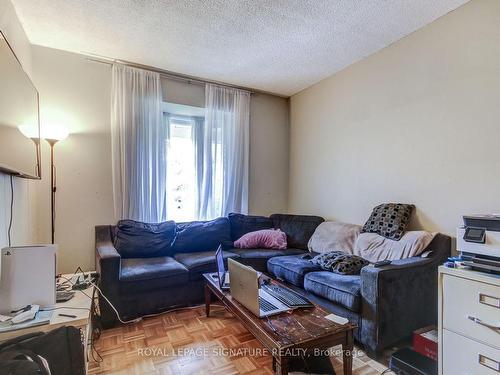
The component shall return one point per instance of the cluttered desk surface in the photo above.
(75, 312)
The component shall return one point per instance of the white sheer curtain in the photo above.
(224, 187)
(198, 141)
(139, 143)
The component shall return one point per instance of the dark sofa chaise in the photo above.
(386, 303)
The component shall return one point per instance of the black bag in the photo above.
(58, 352)
(22, 362)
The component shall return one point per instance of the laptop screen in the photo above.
(221, 271)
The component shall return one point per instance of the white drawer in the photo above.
(465, 300)
(463, 356)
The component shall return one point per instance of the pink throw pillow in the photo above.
(265, 239)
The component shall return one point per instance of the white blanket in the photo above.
(334, 235)
(374, 247)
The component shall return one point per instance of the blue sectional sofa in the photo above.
(386, 303)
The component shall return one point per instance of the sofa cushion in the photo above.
(344, 290)
(201, 236)
(389, 220)
(242, 224)
(201, 262)
(144, 274)
(291, 268)
(134, 239)
(298, 228)
(257, 258)
(264, 238)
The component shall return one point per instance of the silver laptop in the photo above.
(222, 274)
(245, 289)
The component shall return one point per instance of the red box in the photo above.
(425, 342)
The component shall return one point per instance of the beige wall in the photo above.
(175, 91)
(269, 141)
(76, 93)
(84, 197)
(24, 213)
(417, 122)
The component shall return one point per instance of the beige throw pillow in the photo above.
(334, 235)
(373, 247)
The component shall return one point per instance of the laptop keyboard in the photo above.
(286, 296)
(265, 305)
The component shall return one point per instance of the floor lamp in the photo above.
(52, 134)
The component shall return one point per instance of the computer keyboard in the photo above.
(265, 305)
(286, 296)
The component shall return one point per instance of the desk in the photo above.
(80, 305)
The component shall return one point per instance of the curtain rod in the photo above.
(173, 75)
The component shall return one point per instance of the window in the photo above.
(181, 169)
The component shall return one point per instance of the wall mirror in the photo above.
(19, 110)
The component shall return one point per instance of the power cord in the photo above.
(116, 311)
(143, 316)
(11, 209)
(96, 329)
(96, 332)
(114, 308)
(72, 284)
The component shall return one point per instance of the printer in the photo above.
(478, 242)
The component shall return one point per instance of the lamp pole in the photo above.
(52, 135)
(53, 188)
(36, 141)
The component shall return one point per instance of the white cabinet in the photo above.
(469, 322)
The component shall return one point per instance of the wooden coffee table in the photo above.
(287, 334)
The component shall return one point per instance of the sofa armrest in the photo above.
(398, 299)
(108, 264)
(108, 260)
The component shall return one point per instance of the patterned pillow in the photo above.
(340, 262)
(389, 220)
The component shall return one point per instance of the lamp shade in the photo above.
(52, 132)
(29, 131)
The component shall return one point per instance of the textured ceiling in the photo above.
(280, 46)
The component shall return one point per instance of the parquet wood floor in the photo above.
(187, 342)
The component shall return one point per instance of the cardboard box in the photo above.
(425, 342)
